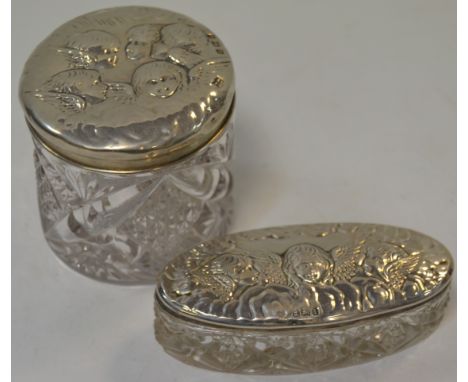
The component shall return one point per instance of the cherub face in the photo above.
(158, 79)
(140, 40)
(314, 270)
(309, 263)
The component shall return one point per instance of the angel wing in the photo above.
(398, 270)
(219, 285)
(348, 261)
(67, 103)
(270, 267)
(76, 58)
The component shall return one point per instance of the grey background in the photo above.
(345, 112)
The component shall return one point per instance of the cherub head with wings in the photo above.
(72, 90)
(312, 265)
(140, 40)
(308, 264)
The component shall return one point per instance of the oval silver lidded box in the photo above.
(301, 298)
(130, 111)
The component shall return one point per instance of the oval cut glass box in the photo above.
(130, 112)
(301, 298)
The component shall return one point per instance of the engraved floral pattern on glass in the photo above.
(124, 227)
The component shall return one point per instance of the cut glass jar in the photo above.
(130, 110)
(303, 298)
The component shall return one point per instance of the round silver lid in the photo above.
(128, 88)
(318, 275)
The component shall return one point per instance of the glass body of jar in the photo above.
(123, 228)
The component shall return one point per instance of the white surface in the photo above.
(345, 112)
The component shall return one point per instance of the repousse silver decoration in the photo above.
(301, 298)
(130, 110)
(128, 89)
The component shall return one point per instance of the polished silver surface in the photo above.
(305, 298)
(128, 89)
(317, 275)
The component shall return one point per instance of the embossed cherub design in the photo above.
(158, 79)
(183, 44)
(396, 267)
(308, 264)
(93, 49)
(225, 273)
(248, 286)
(309, 267)
(74, 89)
(140, 40)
